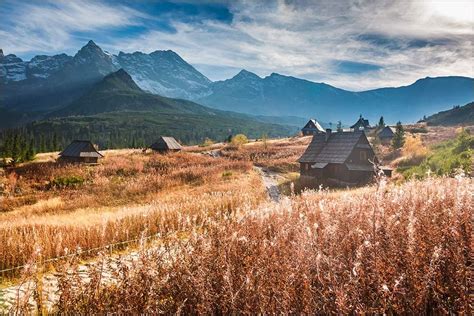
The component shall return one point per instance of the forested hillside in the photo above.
(457, 115)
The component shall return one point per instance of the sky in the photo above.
(356, 45)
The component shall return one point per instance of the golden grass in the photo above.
(385, 249)
(121, 199)
(277, 155)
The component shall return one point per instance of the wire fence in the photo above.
(10, 272)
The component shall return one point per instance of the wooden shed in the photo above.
(80, 151)
(386, 134)
(338, 159)
(166, 144)
(312, 127)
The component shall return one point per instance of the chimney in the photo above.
(328, 133)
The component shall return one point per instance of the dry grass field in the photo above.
(379, 250)
(388, 248)
(126, 195)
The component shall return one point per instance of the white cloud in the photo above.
(407, 39)
(51, 25)
(304, 38)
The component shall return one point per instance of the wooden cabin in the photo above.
(361, 124)
(386, 134)
(338, 159)
(166, 144)
(311, 128)
(80, 151)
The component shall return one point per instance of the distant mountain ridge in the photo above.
(285, 95)
(50, 83)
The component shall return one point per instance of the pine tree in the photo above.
(42, 144)
(381, 123)
(55, 142)
(16, 149)
(31, 152)
(399, 138)
(7, 145)
(339, 126)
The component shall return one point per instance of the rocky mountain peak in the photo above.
(245, 74)
(120, 74)
(90, 48)
(1, 53)
(91, 43)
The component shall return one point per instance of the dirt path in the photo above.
(270, 181)
(9, 296)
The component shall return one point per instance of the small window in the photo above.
(306, 166)
(363, 155)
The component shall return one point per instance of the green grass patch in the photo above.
(447, 158)
(67, 182)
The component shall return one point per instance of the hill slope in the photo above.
(117, 113)
(457, 115)
(119, 92)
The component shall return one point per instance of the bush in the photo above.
(239, 139)
(67, 182)
(207, 142)
(227, 174)
(414, 151)
(418, 130)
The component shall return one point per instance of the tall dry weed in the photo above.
(384, 250)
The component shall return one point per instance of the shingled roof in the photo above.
(336, 149)
(166, 143)
(361, 122)
(387, 131)
(81, 148)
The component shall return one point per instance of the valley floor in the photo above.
(196, 231)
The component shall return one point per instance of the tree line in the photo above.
(19, 145)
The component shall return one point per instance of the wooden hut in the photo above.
(80, 151)
(311, 128)
(338, 159)
(386, 134)
(166, 144)
(361, 124)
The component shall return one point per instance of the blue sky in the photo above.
(355, 44)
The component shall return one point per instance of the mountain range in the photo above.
(284, 95)
(116, 112)
(51, 85)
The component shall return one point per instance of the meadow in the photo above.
(384, 249)
(394, 247)
(51, 210)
